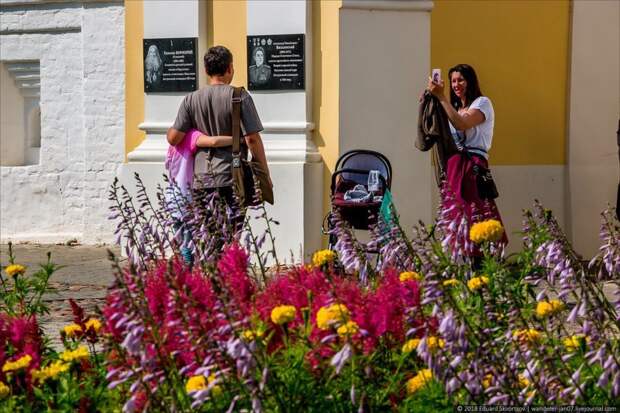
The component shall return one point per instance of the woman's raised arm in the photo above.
(461, 121)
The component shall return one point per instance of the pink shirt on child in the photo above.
(180, 160)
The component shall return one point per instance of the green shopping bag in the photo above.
(387, 209)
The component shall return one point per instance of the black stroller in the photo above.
(350, 195)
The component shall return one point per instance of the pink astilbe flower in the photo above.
(4, 339)
(233, 268)
(382, 314)
(156, 292)
(299, 286)
(26, 338)
(387, 308)
(112, 313)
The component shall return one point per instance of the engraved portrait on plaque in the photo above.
(260, 73)
(170, 65)
(276, 62)
(153, 66)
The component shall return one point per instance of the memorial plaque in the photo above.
(276, 62)
(170, 65)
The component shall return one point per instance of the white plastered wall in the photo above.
(594, 113)
(80, 47)
(294, 162)
(519, 186)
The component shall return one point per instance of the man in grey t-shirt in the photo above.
(210, 111)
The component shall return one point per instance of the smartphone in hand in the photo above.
(436, 75)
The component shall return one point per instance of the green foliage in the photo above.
(80, 385)
(23, 295)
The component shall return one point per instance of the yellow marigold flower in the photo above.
(251, 335)
(20, 363)
(79, 353)
(323, 257)
(572, 343)
(477, 282)
(283, 314)
(433, 343)
(489, 230)
(546, 308)
(527, 335)
(523, 381)
(196, 383)
(487, 381)
(72, 330)
(451, 282)
(4, 390)
(215, 390)
(348, 329)
(50, 372)
(411, 345)
(333, 314)
(419, 380)
(409, 275)
(93, 324)
(15, 269)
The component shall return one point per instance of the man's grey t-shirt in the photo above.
(210, 111)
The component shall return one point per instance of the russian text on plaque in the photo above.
(170, 65)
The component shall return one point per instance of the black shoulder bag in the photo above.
(484, 180)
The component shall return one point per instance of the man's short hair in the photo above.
(217, 59)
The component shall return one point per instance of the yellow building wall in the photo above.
(227, 26)
(325, 103)
(520, 52)
(134, 85)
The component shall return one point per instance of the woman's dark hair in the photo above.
(217, 59)
(473, 88)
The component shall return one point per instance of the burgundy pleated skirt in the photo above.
(461, 183)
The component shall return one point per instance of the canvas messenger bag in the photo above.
(248, 176)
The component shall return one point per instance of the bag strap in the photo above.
(462, 138)
(236, 127)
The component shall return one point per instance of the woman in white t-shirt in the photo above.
(471, 119)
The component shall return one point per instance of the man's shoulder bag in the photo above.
(250, 180)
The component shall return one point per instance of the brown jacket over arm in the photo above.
(433, 128)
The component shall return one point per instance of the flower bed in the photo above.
(422, 328)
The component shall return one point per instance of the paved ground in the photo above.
(85, 277)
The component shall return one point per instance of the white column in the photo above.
(294, 160)
(164, 19)
(594, 112)
(384, 66)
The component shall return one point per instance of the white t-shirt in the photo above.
(480, 136)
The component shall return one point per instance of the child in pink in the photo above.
(180, 167)
(180, 161)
